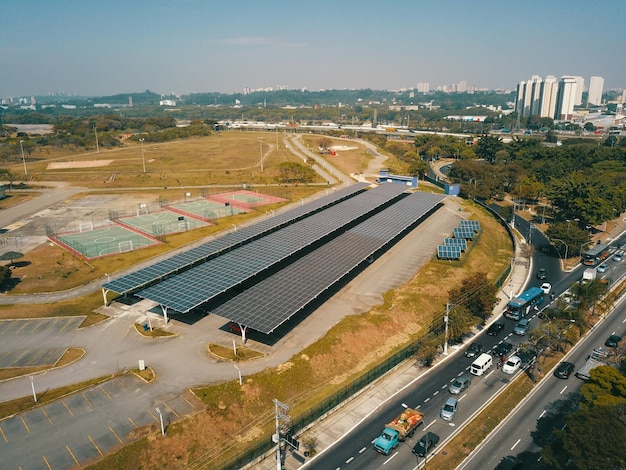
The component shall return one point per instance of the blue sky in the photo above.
(92, 47)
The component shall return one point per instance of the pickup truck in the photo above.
(398, 430)
(596, 359)
(589, 274)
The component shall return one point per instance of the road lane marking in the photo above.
(461, 398)
(46, 415)
(350, 460)
(436, 393)
(427, 400)
(515, 445)
(25, 425)
(46, 460)
(362, 450)
(3, 435)
(433, 422)
(67, 408)
(445, 385)
(115, 434)
(389, 459)
(561, 392)
(132, 422)
(541, 415)
(95, 445)
(73, 456)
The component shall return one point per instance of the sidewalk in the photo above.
(341, 421)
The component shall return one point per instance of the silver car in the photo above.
(448, 410)
(459, 384)
(522, 327)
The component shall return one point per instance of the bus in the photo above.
(520, 306)
(597, 254)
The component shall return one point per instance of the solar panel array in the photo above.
(473, 224)
(241, 265)
(449, 252)
(271, 302)
(460, 242)
(464, 232)
(182, 261)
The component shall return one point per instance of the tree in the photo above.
(606, 386)
(488, 146)
(589, 294)
(476, 294)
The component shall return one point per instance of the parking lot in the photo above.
(80, 428)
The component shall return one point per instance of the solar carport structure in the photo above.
(271, 302)
(240, 267)
(181, 262)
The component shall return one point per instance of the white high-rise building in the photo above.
(462, 87)
(423, 87)
(566, 98)
(596, 85)
(535, 94)
(549, 89)
(580, 86)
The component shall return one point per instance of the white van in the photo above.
(480, 365)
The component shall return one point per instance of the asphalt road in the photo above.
(521, 433)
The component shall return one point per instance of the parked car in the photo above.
(495, 328)
(618, 257)
(448, 410)
(428, 441)
(612, 341)
(459, 384)
(474, 350)
(542, 274)
(564, 370)
(502, 349)
(546, 287)
(522, 327)
(511, 365)
(602, 268)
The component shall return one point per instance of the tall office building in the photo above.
(580, 86)
(535, 95)
(566, 98)
(596, 84)
(549, 89)
(423, 87)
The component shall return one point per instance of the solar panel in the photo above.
(464, 232)
(460, 242)
(448, 252)
(473, 224)
(241, 265)
(191, 257)
(271, 302)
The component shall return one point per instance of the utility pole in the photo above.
(445, 320)
(281, 415)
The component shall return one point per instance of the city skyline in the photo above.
(186, 46)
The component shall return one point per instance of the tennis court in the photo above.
(245, 199)
(206, 209)
(162, 223)
(103, 241)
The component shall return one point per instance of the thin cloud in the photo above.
(250, 41)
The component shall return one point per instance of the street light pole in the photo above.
(158, 410)
(143, 158)
(32, 385)
(23, 158)
(445, 320)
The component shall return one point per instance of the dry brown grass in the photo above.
(227, 158)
